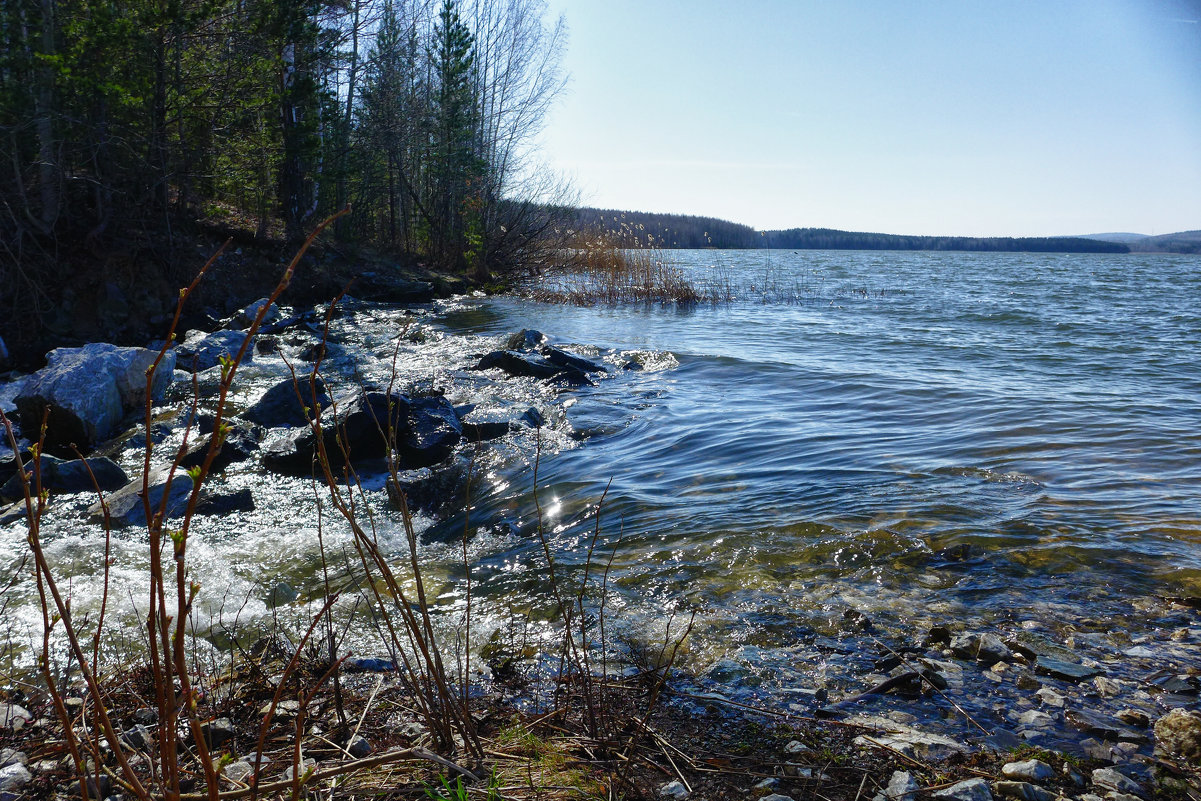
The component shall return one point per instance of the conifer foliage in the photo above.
(142, 115)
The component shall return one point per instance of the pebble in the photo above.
(1030, 770)
(796, 747)
(677, 790)
(770, 783)
(1051, 698)
(359, 747)
(970, 790)
(1035, 718)
(219, 732)
(10, 756)
(1134, 717)
(776, 797)
(14, 717)
(305, 764)
(1109, 688)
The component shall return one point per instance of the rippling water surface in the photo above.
(984, 440)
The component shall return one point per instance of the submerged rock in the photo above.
(1067, 671)
(88, 391)
(202, 352)
(432, 431)
(239, 445)
(125, 505)
(1179, 733)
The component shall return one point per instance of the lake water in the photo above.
(994, 442)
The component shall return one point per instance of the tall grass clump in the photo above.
(615, 267)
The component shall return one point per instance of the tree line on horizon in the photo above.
(133, 119)
(641, 229)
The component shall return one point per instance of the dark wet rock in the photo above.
(432, 432)
(571, 361)
(226, 503)
(1103, 726)
(147, 716)
(433, 490)
(970, 790)
(369, 665)
(1179, 733)
(265, 345)
(281, 406)
(312, 353)
(387, 287)
(1029, 770)
(1051, 698)
(201, 353)
(632, 366)
(1001, 740)
(519, 364)
(238, 445)
(937, 635)
(987, 649)
(533, 418)
(484, 430)
(139, 737)
(359, 747)
(125, 505)
(1134, 717)
(1023, 791)
(1175, 684)
(5, 358)
(525, 339)
(1026, 681)
(572, 378)
(1110, 779)
(361, 425)
(59, 476)
(218, 732)
(88, 391)
(1067, 671)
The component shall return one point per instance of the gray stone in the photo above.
(1067, 671)
(1051, 698)
(795, 747)
(1110, 779)
(776, 797)
(88, 391)
(139, 737)
(238, 771)
(238, 445)
(218, 732)
(13, 777)
(10, 756)
(1179, 733)
(985, 648)
(901, 786)
(1030, 770)
(1134, 717)
(970, 790)
(359, 747)
(914, 744)
(306, 765)
(125, 505)
(246, 316)
(770, 783)
(1033, 717)
(1023, 791)
(674, 790)
(201, 353)
(14, 717)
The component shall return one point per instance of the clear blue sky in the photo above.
(958, 117)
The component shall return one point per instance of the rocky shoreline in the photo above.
(1095, 732)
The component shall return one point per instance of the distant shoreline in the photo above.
(643, 229)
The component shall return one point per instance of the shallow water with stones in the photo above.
(855, 448)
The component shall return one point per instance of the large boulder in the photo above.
(280, 406)
(239, 445)
(369, 425)
(67, 477)
(88, 391)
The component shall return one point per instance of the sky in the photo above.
(1005, 118)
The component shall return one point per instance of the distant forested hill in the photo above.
(830, 239)
(642, 229)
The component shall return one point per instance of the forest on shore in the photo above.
(642, 229)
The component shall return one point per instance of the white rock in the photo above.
(1051, 698)
(237, 771)
(1036, 719)
(776, 797)
(901, 786)
(1030, 770)
(674, 790)
(14, 777)
(1110, 779)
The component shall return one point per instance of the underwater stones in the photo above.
(226, 503)
(87, 391)
(281, 406)
(1066, 671)
(238, 446)
(985, 648)
(1179, 733)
